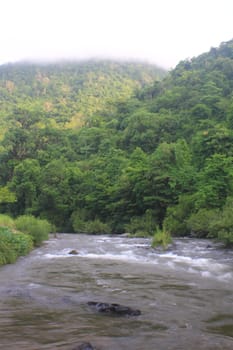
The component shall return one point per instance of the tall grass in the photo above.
(7, 221)
(17, 237)
(161, 238)
(38, 229)
(13, 245)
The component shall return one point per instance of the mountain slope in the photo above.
(71, 91)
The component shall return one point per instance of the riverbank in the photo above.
(19, 236)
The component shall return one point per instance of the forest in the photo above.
(114, 147)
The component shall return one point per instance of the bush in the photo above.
(78, 221)
(214, 223)
(13, 245)
(142, 226)
(7, 254)
(221, 227)
(201, 222)
(175, 221)
(81, 224)
(161, 238)
(136, 225)
(6, 221)
(39, 229)
(97, 227)
(226, 237)
(22, 243)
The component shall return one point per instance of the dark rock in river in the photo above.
(114, 309)
(84, 346)
(73, 252)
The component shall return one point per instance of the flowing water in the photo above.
(185, 295)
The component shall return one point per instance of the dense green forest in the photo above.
(93, 148)
(67, 93)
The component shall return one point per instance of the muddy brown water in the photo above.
(185, 295)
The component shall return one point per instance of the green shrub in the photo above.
(22, 243)
(81, 224)
(39, 229)
(7, 253)
(97, 227)
(221, 227)
(226, 237)
(135, 225)
(214, 223)
(175, 221)
(6, 221)
(161, 238)
(13, 245)
(142, 226)
(201, 222)
(78, 221)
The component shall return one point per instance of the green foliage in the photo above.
(25, 183)
(214, 182)
(201, 111)
(7, 254)
(80, 147)
(200, 223)
(78, 220)
(21, 243)
(82, 225)
(221, 226)
(175, 221)
(68, 92)
(161, 238)
(6, 196)
(38, 229)
(7, 221)
(97, 227)
(142, 226)
(214, 139)
(13, 245)
(214, 223)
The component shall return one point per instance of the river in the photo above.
(185, 295)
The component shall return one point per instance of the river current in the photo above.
(185, 295)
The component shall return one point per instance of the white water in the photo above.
(201, 257)
(185, 295)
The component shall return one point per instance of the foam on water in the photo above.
(190, 256)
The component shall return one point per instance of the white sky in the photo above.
(158, 31)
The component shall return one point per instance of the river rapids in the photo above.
(185, 295)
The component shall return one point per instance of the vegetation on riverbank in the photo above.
(159, 157)
(13, 245)
(19, 236)
(161, 238)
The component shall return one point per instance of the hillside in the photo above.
(70, 91)
(161, 158)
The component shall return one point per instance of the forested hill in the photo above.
(71, 91)
(161, 158)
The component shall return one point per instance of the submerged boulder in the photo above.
(73, 252)
(114, 309)
(84, 346)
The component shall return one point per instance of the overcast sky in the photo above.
(158, 31)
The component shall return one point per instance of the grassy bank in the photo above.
(19, 236)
